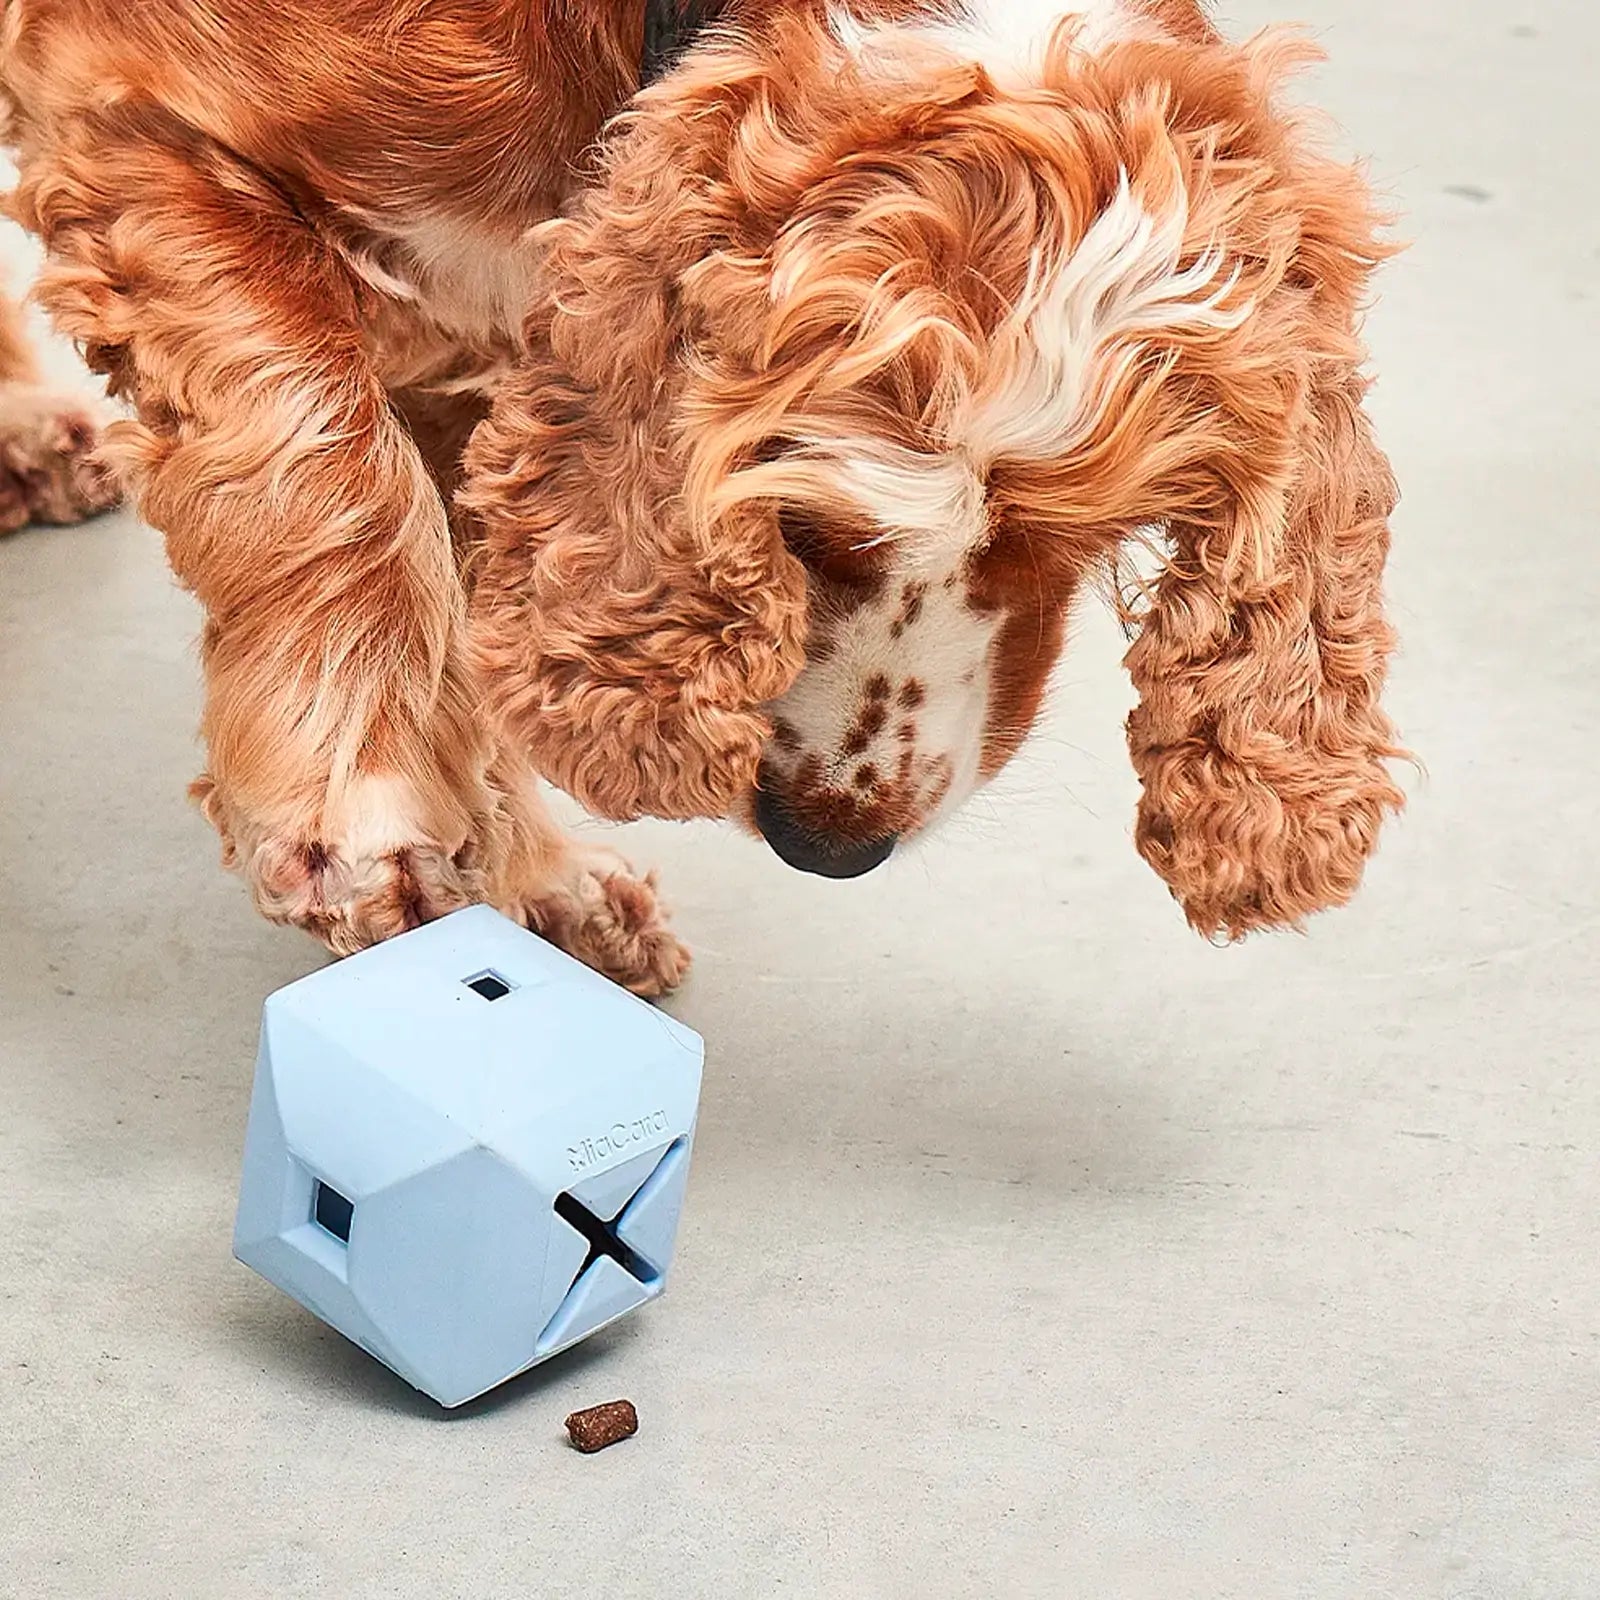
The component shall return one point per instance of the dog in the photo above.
(736, 445)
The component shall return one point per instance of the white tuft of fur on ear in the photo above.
(925, 504)
(1085, 318)
(1009, 39)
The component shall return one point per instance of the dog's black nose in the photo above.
(816, 852)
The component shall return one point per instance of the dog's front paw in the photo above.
(598, 909)
(50, 464)
(375, 869)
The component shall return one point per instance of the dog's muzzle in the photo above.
(826, 855)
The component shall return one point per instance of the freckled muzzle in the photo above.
(826, 855)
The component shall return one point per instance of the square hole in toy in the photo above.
(332, 1211)
(490, 985)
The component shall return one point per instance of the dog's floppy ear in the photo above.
(629, 619)
(1259, 734)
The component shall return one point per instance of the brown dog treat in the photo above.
(599, 1426)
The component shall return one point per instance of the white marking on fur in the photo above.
(946, 650)
(953, 719)
(926, 505)
(466, 278)
(378, 813)
(1084, 320)
(1009, 39)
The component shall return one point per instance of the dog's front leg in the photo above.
(345, 774)
(578, 893)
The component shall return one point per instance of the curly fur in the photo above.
(820, 286)
(864, 341)
(250, 234)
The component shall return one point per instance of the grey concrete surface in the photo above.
(1035, 1248)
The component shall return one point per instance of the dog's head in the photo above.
(859, 358)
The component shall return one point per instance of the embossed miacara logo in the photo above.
(615, 1140)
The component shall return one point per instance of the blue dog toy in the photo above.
(466, 1150)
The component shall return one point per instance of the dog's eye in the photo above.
(832, 550)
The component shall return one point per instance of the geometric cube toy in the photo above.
(466, 1150)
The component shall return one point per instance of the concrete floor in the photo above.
(1035, 1248)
